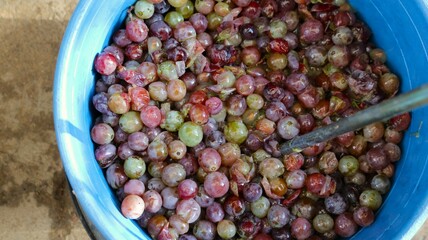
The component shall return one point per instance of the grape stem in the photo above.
(380, 112)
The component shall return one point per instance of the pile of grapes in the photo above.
(194, 99)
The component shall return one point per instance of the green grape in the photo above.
(186, 10)
(278, 29)
(226, 229)
(260, 207)
(134, 167)
(255, 101)
(130, 122)
(173, 18)
(214, 21)
(167, 71)
(190, 134)
(323, 223)
(235, 132)
(348, 165)
(221, 116)
(144, 9)
(251, 116)
(371, 199)
(173, 121)
(177, 3)
(271, 168)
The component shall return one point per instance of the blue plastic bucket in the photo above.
(400, 28)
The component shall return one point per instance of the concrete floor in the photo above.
(34, 199)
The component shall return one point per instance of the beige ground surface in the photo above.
(34, 200)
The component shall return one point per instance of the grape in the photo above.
(297, 83)
(187, 189)
(190, 134)
(179, 224)
(199, 113)
(323, 223)
(216, 184)
(153, 201)
(363, 216)
(173, 121)
(186, 10)
(138, 141)
(335, 204)
(157, 91)
(314, 182)
(199, 22)
(118, 54)
(245, 85)
(173, 18)
(373, 132)
(161, 30)
(380, 183)
(130, 122)
(271, 168)
(189, 210)
(119, 103)
(184, 31)
(173, 174)
(135, 187)
(252, 192)
(260, 207)
(177, 149)
(150, 116)
(214, 105)
(376, 158)
(278, 216)
(169, 197)
(280, 234)
(301, 228)
(105, 155)
(136, 29)
(116, 176)
(234, 206)
(229, 153)
(288, 127)
(209, 160)
(139, 98)
(105, 63)
(100, 101)
(157, 151)
(134, 167)
(295, 179)
(102, 133)
(155, 184)
(162, 7)
(132, 206)
(214, 212)
(144, 9)
(342, 36)
(344, 225)
(235, 132)
(120, 38)
(311, 31)
(156, 224)
(176, 90)
(328, 162)
(204, 230)
(133, 51)
(187, 237)
(316, 55)
(236, 105)
(371, 199)
(266, 126)
(348, 165)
